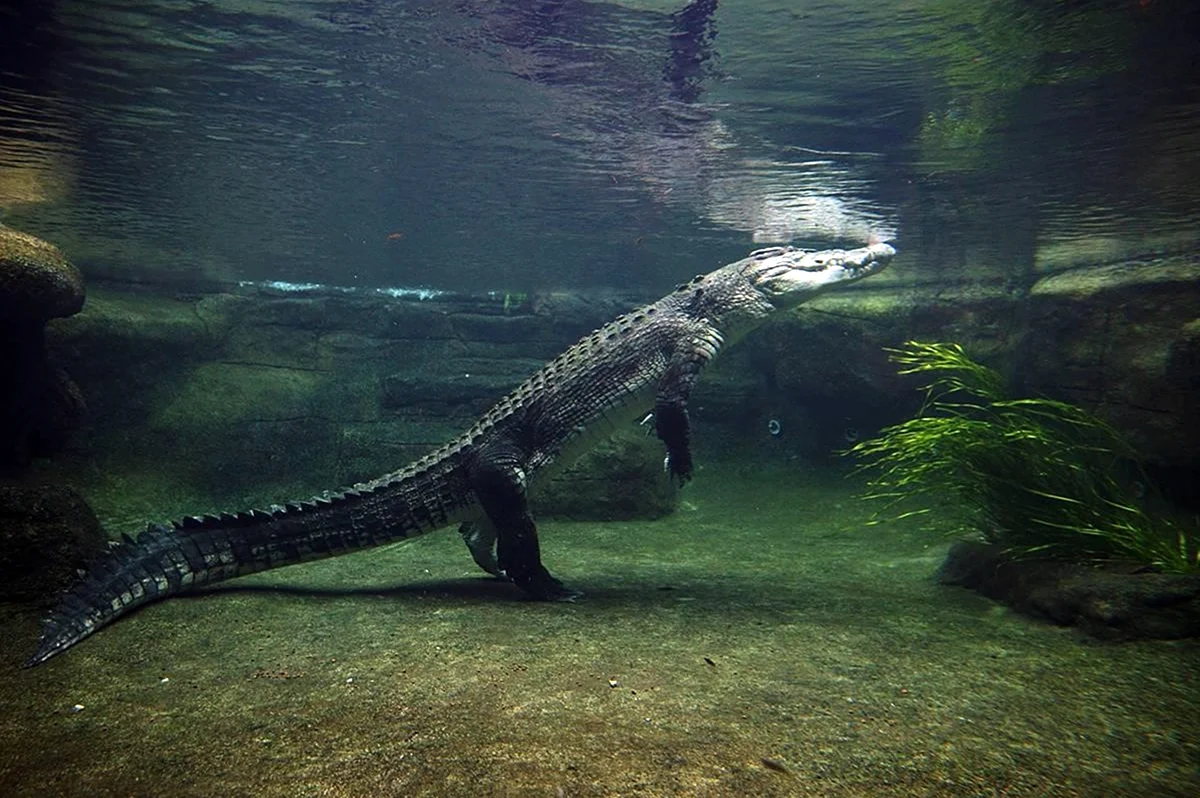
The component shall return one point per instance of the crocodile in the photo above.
(645, 360)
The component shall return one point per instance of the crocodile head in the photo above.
(786, 277)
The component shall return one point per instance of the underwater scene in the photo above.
(584, 398)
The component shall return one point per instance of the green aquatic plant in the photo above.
(1038, 477)
(514, 300)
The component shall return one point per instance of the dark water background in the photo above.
(511, 144)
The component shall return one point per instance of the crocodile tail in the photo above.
(169, 560)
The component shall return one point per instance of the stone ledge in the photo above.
(1111, 602)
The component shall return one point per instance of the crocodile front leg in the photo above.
(499, 484)
(671, 421)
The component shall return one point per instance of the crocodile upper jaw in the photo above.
(787, 276)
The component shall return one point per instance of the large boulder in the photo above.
(37, 282)
(620, 479)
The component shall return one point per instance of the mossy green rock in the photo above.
(620, 479)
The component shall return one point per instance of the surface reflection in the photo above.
(290, 141)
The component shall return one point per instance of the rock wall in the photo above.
(243, 399)
(1122, 340)
(240, 398)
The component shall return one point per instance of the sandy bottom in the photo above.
(760, 642)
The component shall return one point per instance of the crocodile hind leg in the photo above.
(480, 537)
(501, 492)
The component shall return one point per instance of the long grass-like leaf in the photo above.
(1037, 476)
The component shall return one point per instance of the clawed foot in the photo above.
(564, 593)
(554, 591)
(544, 587)
(678, 466)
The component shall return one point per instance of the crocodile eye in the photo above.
(769, 252)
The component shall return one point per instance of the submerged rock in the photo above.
(1105, 602)
(37, 282)
(39, 404)
(620, 479)
(46, 534)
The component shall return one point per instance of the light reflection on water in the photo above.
(514, 145)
